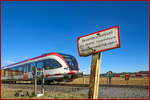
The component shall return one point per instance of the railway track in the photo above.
(103, 85)
(83, 85)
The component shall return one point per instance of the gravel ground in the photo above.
(104, 91)
(121, 93)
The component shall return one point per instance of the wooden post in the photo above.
(109, 76)
(94, 76)
(84, 77)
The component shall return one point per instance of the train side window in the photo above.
(17, 70)
(51, 64)
(30, 66)
(40, 64)
(25, 68)
(20, 69)
(47, 64)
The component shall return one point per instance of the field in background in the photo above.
(144, 81)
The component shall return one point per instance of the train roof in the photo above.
(43, 55)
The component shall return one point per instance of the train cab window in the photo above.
(52, 64)
(71, 62)
(40, 65)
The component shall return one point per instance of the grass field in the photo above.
(144, 81)
(9, 93)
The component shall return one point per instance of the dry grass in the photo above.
(9, 93)
(144, 81)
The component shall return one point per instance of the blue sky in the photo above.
(29, 29)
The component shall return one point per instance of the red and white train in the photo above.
(57, 67)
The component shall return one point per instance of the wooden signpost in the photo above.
(109, 76)
(94, 76)
(93, 44)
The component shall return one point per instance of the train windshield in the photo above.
(71, 62)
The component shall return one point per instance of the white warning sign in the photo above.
(99, 41)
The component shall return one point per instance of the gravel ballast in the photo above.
(121, 93)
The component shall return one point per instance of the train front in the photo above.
(73, 67)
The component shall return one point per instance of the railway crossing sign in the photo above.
(99, 41)
(93, 44)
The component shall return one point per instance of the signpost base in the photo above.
(94, 76)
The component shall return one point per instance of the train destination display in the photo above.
(99, 41)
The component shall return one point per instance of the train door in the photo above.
(39, 66)
(31, 65)
(25, 70)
